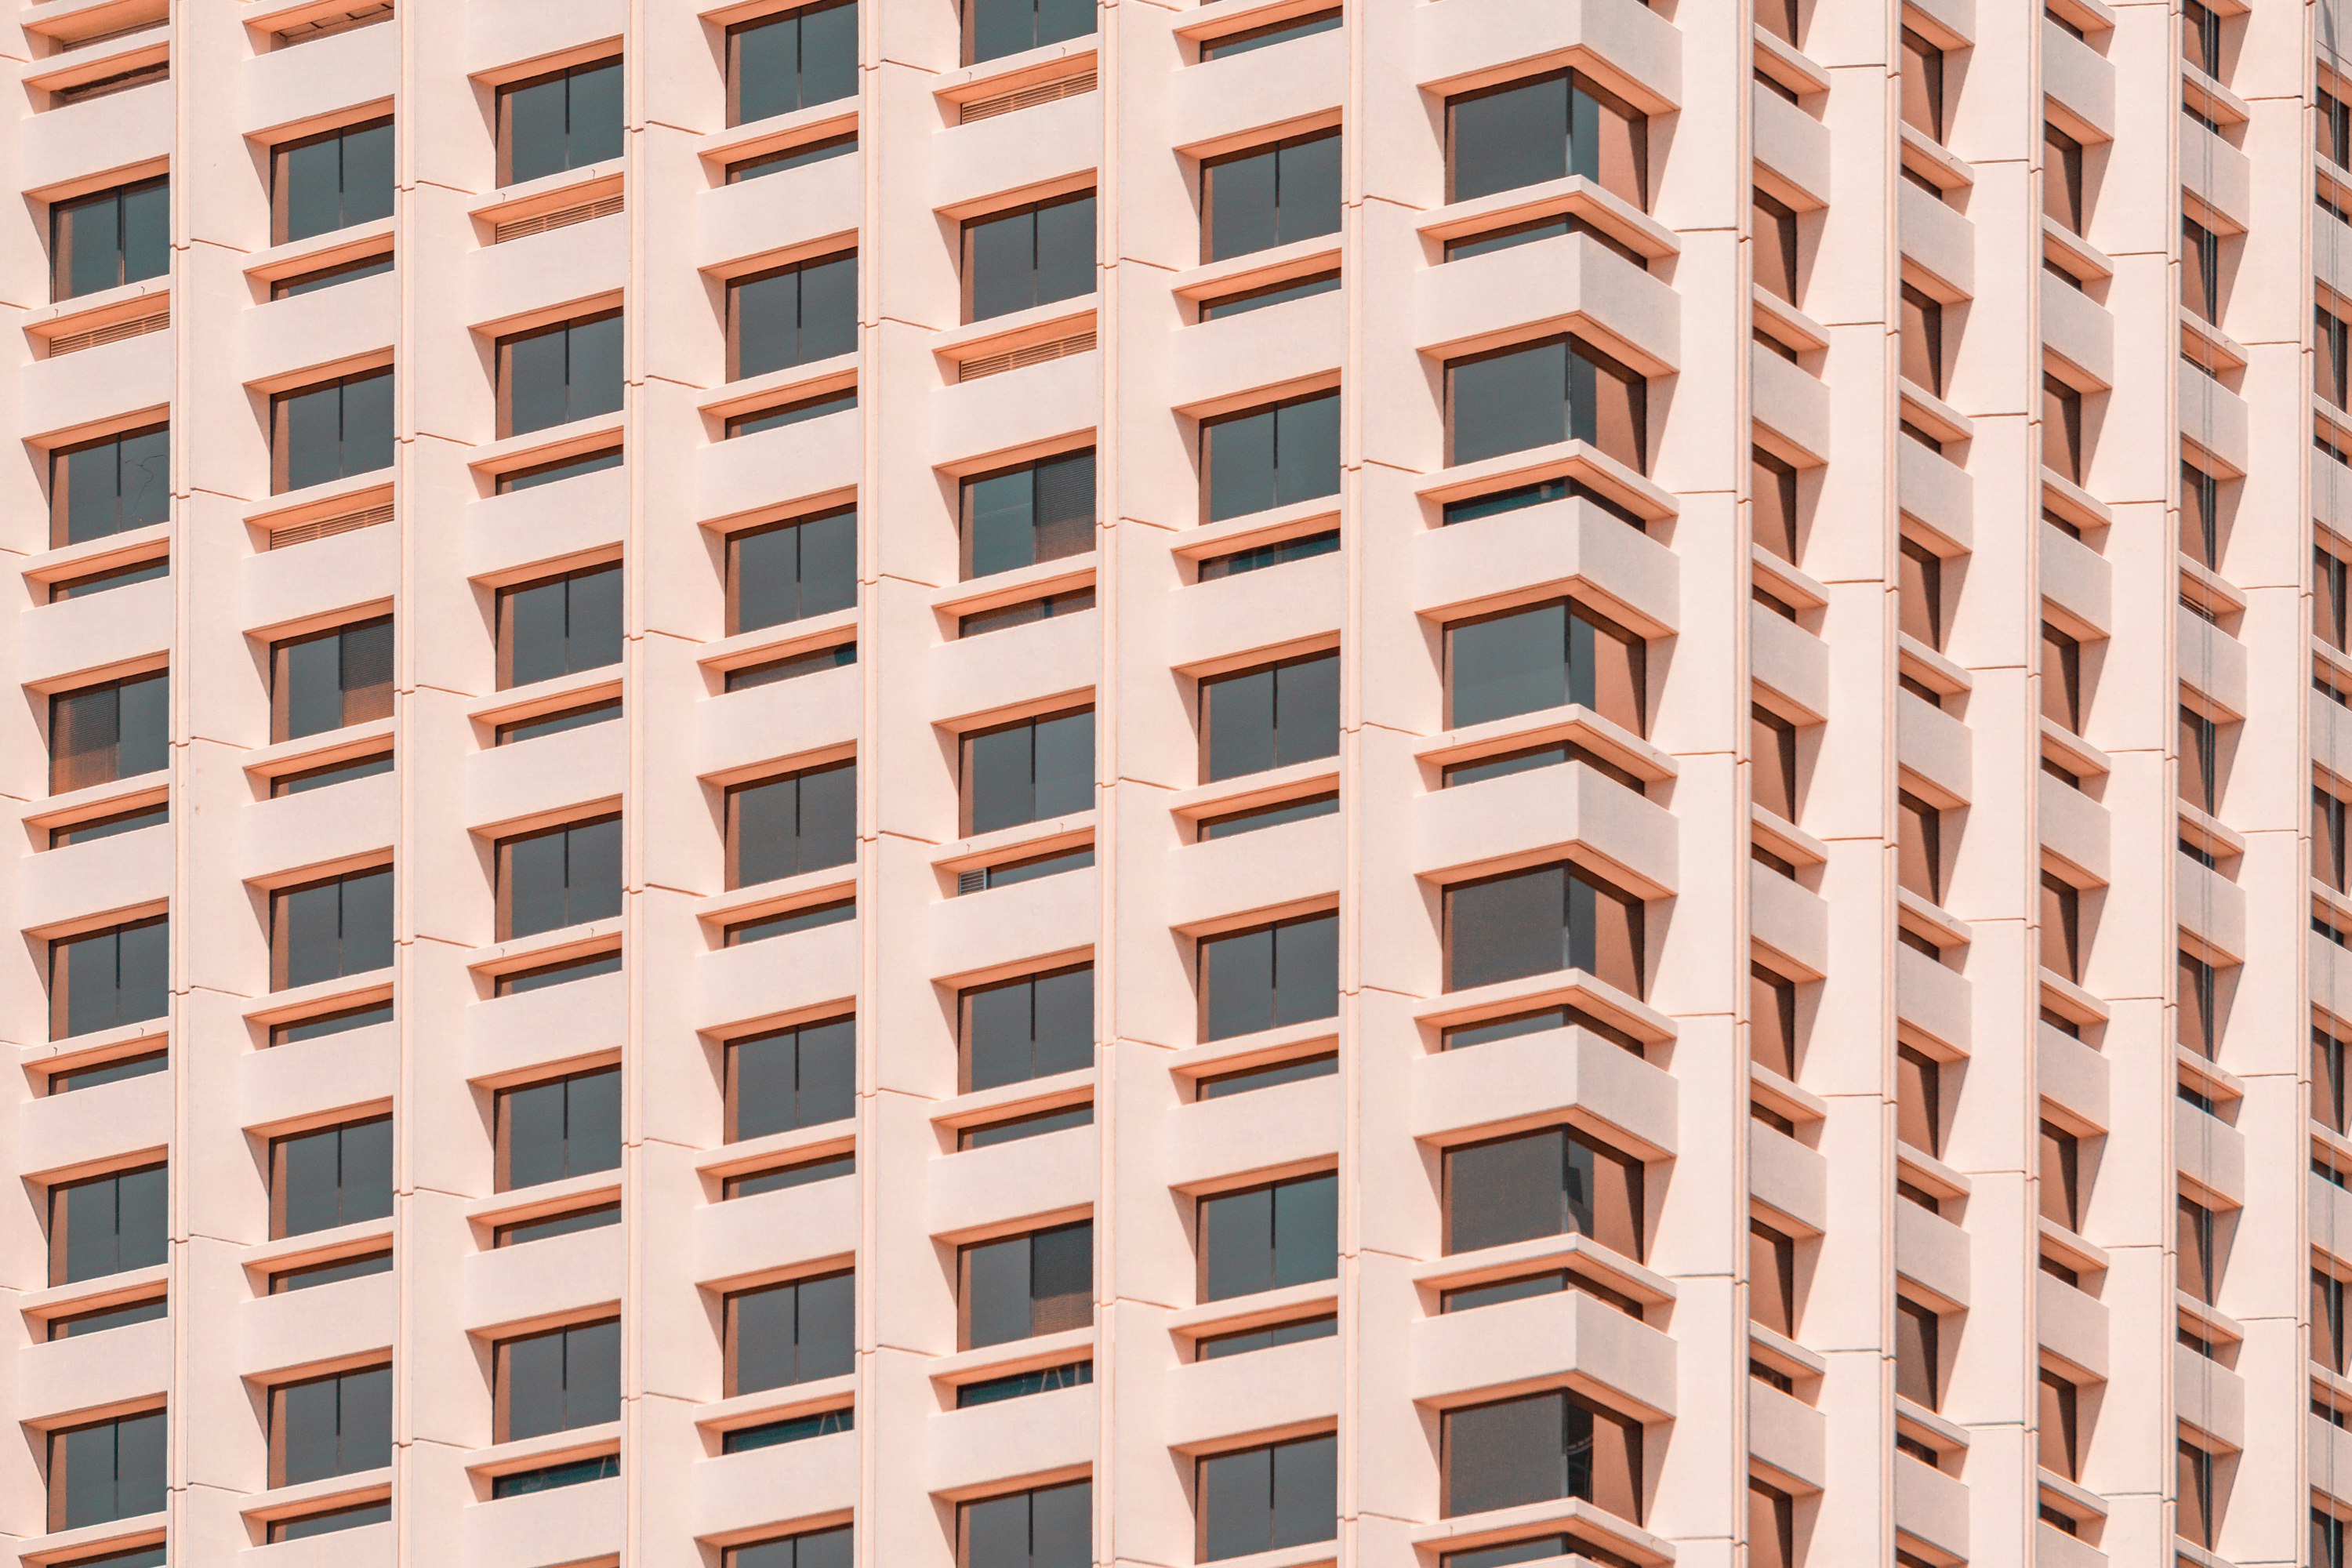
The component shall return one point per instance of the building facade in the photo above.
(1022, 787)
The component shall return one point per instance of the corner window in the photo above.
(1539, 1448)
(117, 731)
(1271, 457)
(1264, 1238)
(110, 486)
(1271, 977)
(331, 431)
(1538, 395)
(801, 1076)
(105, 979)
(1535, 921)
(564, 120)
(1525, 132)
(794, 60)
(1031, 1027)
(1041, 1283)
(110, 238)
(1524, 661)
(564, 1127)
(1270, 196)
(1039, 511)
(323, 930)
(330, 680)
(559, 625)
(792, 315)
(564, 876)
(1555, 1182)
(1030, 256)
(556, 374)
(320, 183)
(556, 1381)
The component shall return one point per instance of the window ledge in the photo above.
(1543, 727)
(336, 996)
(585, 1191)
(1007, 72)
(1270, 785)
(494, 958)
(817, 123)
(1241, 1313)
(1578, 460)
(69, 1546)
(2078, 255)
(265, 1258)
(1784, 1354)
(2214, 1323)
(2082, 1256)
(350, 493)
(1502, 1525)
(356, 1489)
(1942, 420)
(1011, 1356)
(1016, 841)
(556, 693)
(89, 1295)
(561, 189)
(1932, 921)
(1250, 530)
(1786, 839)
(2216, 1082)
(1914, 1419)
(321, 251)
(265, 763)
(768, 644)
(486, 1465)
(792, 383)
(1256, 268)
(1788, 322)
(128, 548)
(826, 885)
(124, 299)
(980, 1106)
(1569, 987)
(1512, 1260)
(1930, 667)
(721, 1416)
(2078, 755)
(1788, 65)
(1016, 586)
(2220, 840)
(793, 1146)
(2073, 1000)
(1933, 162)
(1793, 1099)
(1924, 1170)
(1015, 329)
(137, 791)
(1574, 196)
(1049, 844)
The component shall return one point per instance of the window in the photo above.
(2327, 357)
(2199, 1023)
(85, 584)
(323, 930)
(110, 486)
(2062, 428)
(2327, 1535)
(337, 1175)
(2330, 598)
(1919, 1099)
(1918, 1374)
(1546, 656)
(2200, 269)
(1536, 395)
(1922, 86)
(2199, 756)
(1280, 32)
(1772, 760)
(107, 1471)
(1263, 1499)
(1772, 1278)
(792, 315)
(801, 1076)
(2194, 1485)
(1028, 612)
(2327, 862)
(1029, 771)
(1265, 979)
(2328, 1104)
(1041, 1283)
(1555, 1182)
(1039, 511)
(1030, 256)
(791, 571)
(784, 826)
(794, 1332)
(1270, 717)
(2062, 679)
(813, 1549)
(1028, 1028)
(1255, 819)
(564, 120)
(330, 679)
(2328, 1327)
(1047, 1527)
(1264, 1238)
(2056, 1426)
(1772, 1020)
(799, 155)
(2062, 178)
(560, 626)
(328, 182)
(117, 731)
(792, 60)
(1270, 196)
(89, 830)
(104, 979)
(2061, 906)
(1535, 921)
(2196, 1261)
(2332, 129)
(151, 1309)
(564, 1127)
(562, 876)
(107, 1224)
(301, 1527)
(988, 1135)
(555, 374)
(1772, 503)
(1271, 457)
(2061, 1176)
(2200, 515)
(1554, 126)
(331, 431)
(1537, 1449)
(304, 283)
(557, 1381)
(1919, 585)
(1920, 846)
(330, 1426)
(110, 238)
(114, 1069)
(1774, 252)
(2200, 38)
(1922, 340)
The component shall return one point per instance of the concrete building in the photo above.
(1492, 781)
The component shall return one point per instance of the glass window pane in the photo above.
(1306, 449)
(1307, 971)
(1241, 202)
(1306, 1230)
(1237, 978)
(1505, 927)
(1237, 1503)
(1517, 136)
(594, 353)
(1065, 249)
(594, 114)
(534, 129)
(1065, 1020)
(1507, 665)
(1505, 1454)
(1240, 455)
(1061, 1518)
(1237, 1243)
(1065, 765)
(1305, 1492)
(1506, 402)
(996, 1292)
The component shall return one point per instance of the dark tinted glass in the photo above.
(1270, 717)
(1291, 1333)
(791, 571)
(539, 474)
(1276, 195)
(566, 120)
(560, 878)
(559, 625)
(1026, 1028)
(331, 1427)
(328, 276)
(1032, 257)
(792, 1429)
(571, 1224)
(325, 1024)
(1272, 458)
(110, 486)
(1040, 512)
(548, 1478)
(808, 917)
(802, 822)
(338, 1175)
(794, 1332)
(322, 433)
(791, 668)
(817, 1549)
(309, 1524)
(1264, 816)
(995, 28)
(1249, 1079)
(115, 1071)
(1550, 655)
(1262, 1499)
(552, 376)
(1041, 1283)
(110, 238)
(62, 589)
(331, 929)
(1537, 1449)
(1021, 1127)
(1265, 979)
(1022, 1384)
(792, 157)
(1552, 1183)
(1268, 1237)
(148, 1312)
(89, 830)
(109, 978)
(555, 1382)
(557, 722)
(1538, 920)
(1052, 1527)
(791, 413)
(1241, 42)
(1259, 557)
(329, 1273)
(787, 1176)
(1548, 129)
(1250, 300)
(107, 1224)
(566, 1128)
(778, 64)
(801, 1076)
(1028, 772)
(112, 1470)
(333, 774)
(1519, 398)
(333, 679)
(332, 182)
(101, 733)
(795, 315)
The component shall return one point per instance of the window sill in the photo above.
(1016, 586)
(265, 1258)
(2081, 1255)
(1250, 529)
(1242, 1051)
(1259, 269)
(1543, 727)
(488, 961)
(117, 795)
(69, 1546)
(95, 308)
(1270, 787)
(332, 248)
(825, 885)
(531, 197)
(336, 996)
(91, 1295)
(1578, 460)
(540, 1200)
(1239, 1314)
(357, 1489)
(740, 144)
(1009, 72)
(792, 383)
(1015, 330)
(1500, 1526)
(978, 1107)
(791, 1147)
(67, 560)
(1567, 987)
(1933, 162)
(948, 1372)
(486, 1465)
(1574, 196)
(721, 1416)
(1515, 1259)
